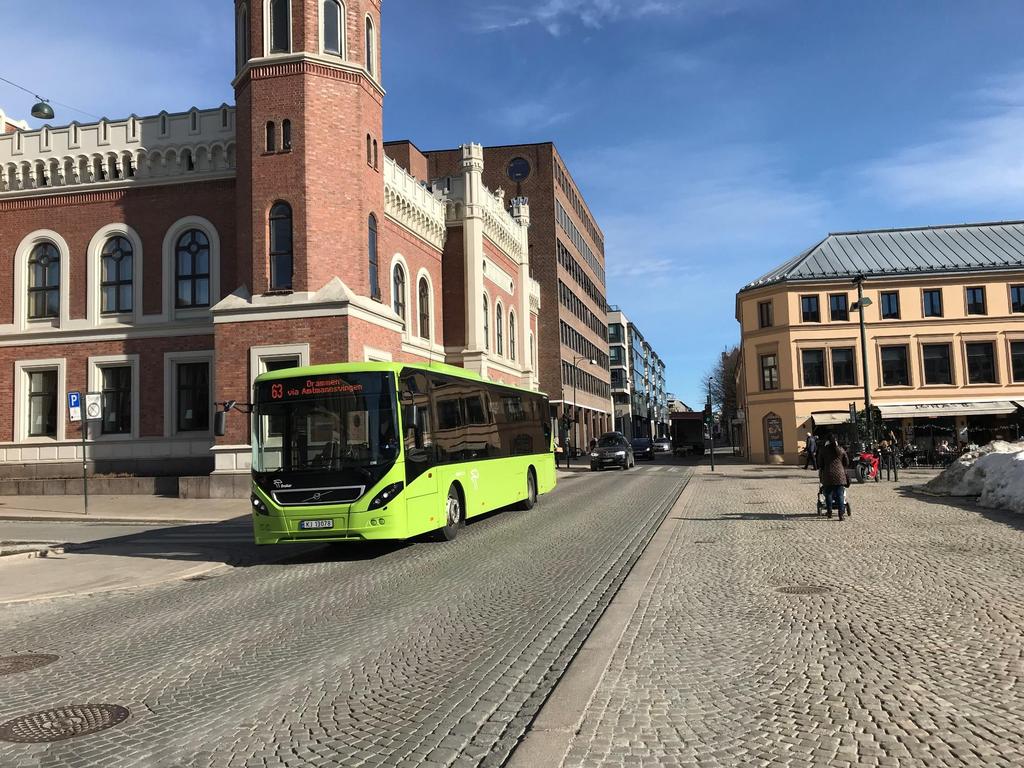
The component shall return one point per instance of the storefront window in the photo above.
(981, 362)
(895, 372)
(937, 368)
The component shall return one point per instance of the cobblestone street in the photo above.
(421, 654)
(913, 657)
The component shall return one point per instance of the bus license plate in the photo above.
(315, 524)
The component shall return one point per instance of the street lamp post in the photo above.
(859, 306)
(575, 417)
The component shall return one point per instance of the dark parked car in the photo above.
(643, 448)
(612, 450)
(663, 445)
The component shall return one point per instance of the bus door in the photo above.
(420, 454)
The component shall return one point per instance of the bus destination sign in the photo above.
(301, 388)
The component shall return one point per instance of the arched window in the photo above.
(398, 291)
(280, 26)
(271, 137)
(286, 136)
(44, 281)
(369, 150)
(374, 154)
(116, 276)
(424, 306)
(371, 251)
(332, 21)
(371, 48)
(281, 260)
(511, 335)
(242, 37)
(499, 333)
(192, 270)
(487, 325)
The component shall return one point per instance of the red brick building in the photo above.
(166, 261)
(567, 260)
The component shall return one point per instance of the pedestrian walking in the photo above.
(889, 450)
(811, 449)
(833, 461)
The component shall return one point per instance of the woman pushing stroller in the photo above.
(832, 464)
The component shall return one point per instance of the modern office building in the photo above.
(638, 380)
(567, 260)
(164, 262)
(944, 338)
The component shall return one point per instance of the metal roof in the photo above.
(922, 250)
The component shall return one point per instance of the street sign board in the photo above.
(74, 406)
(93, 407)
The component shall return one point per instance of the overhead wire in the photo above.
(49, 101)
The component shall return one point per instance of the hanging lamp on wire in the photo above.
(42, 110)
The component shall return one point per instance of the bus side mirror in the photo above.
(220, 423)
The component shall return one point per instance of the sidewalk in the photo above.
(185, 538)
(754, 632)
(134, 509)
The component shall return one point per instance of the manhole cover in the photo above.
(24, 662)
(62, 723)
(803, 590)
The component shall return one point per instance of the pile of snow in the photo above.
(994, 473)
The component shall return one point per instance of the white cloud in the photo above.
(977, 160)
(532, 114)
(554, 15)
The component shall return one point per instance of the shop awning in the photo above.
(829, 418)
(927, 410)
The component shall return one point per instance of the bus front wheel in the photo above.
(454, 515)
(531, 491)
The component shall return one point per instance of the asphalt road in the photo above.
(415, 654)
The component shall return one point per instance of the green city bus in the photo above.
(370, 451)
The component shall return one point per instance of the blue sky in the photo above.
(713, 139)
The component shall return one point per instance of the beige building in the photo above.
(944, 338)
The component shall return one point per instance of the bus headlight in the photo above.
(387, 495)
(257, 505)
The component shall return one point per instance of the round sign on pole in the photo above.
(94, 407)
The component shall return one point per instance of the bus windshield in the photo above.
(325, 423)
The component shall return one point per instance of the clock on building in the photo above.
(518, 169)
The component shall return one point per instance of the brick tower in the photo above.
(309, 117)
(309, 197)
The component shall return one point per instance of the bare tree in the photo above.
(722, 382)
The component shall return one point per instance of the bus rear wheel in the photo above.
(454, 515)
(531, 491)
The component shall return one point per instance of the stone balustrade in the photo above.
(409, 202)
(163, 148)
